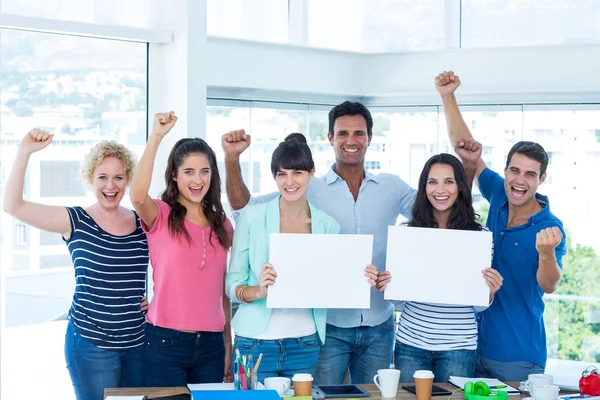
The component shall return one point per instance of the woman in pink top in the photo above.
(188, 335)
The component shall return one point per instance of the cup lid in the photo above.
(302, 378)
(423, 374)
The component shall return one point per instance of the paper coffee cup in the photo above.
(423, 384)
(302, 384)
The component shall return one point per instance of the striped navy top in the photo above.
(110, 280)
(438, 327)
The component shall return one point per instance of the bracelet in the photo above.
(240, 293)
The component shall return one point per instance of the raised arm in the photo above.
(141, 200)
(465, 146)
(234, 143)
(40, 216)
(548, 273)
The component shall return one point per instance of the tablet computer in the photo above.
(435, 390)
(340, 391)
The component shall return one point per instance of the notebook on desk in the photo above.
(494, 384)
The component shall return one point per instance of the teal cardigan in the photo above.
(251, 250)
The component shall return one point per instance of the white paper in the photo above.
(211, 386)
(218, 386)
(320, 271)
(460, 382)
(440, 266)
(125, 398)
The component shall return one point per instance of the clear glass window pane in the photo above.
(219, 121)
(131, 13)
(572, 314)
(270, 126)
(261, 20)
(496, 23)
(374, 26)
(83, 90)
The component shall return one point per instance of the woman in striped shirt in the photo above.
(103, 344)
(437, 337)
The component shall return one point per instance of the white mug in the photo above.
(545, 392)
(279, 383)
(387, 382)
(537, 380)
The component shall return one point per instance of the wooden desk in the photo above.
(151, 392)
(372, 389)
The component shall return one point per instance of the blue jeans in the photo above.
(92, 369)
(505, 371)
(409, 359)
(175, 358)
(283, 357)
(363, 350)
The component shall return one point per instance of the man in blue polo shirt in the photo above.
(529, 243)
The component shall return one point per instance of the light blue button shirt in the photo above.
(381, 198)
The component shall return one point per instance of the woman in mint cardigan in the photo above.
(289, 339)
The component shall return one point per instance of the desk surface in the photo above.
(375, 393)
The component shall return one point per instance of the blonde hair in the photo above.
(97, 154)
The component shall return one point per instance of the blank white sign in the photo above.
(320, 271)
(440, 266)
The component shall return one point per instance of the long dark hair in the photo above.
(211, 203)
(462, 216)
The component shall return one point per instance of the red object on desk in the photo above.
(589, 383)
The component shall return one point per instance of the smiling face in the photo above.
(109, 182)
(293, 183)
(522, 179)
(193, 178)
(350, 140)
(442, 189)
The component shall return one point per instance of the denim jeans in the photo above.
(409, 359)
(283, 357)
(93, 369)
(505, 371)
(175, 358)
(363, 350)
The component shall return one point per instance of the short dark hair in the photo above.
(350, 108)
(292, 153)
(532, 150)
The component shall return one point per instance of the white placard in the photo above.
(440, 266)
(320, 271)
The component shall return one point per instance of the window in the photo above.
(499, 23)
(376, 26)
(373, 165)
(263, 20)
(572, 333)
(21, 235)
(76, 88)
(404, 138)
(405, 151)
(133, 13)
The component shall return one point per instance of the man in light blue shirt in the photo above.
(358, 340)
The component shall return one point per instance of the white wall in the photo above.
(498, 75)
(540, 74)
(246, 64)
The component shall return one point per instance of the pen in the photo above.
(579, 396)
(498, 387)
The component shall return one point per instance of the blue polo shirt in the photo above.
(512, 328)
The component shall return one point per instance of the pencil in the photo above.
(255, 370)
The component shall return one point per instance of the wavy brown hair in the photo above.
(211, 203)
(462, 216)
